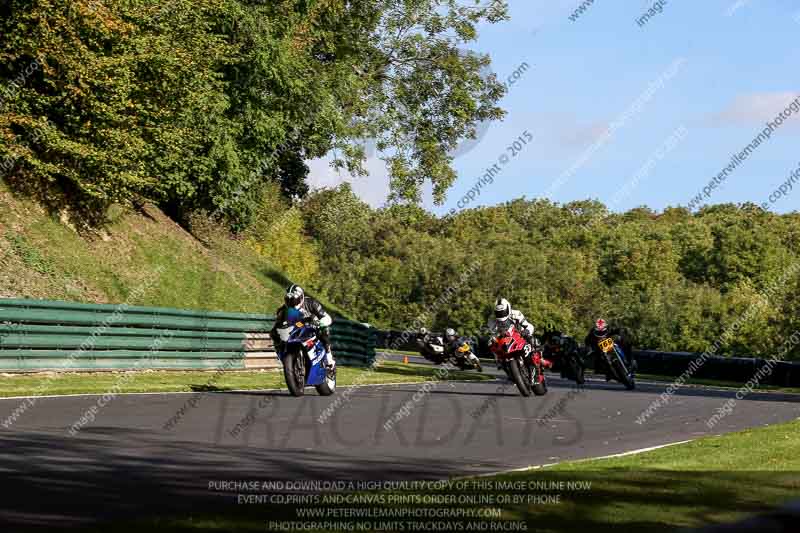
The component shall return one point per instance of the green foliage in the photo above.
(197, 104)
(677, 281)
(278, 237)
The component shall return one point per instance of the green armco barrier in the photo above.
(67, 336)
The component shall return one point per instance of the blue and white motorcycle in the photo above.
(303, 357)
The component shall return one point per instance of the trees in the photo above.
(655, 274)
(197, 104)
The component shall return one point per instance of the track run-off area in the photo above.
(130, 456)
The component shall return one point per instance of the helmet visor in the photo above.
(503, 325)
(293, 300)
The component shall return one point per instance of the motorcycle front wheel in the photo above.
(518, 376)
(295, 373)
(622, 374)
(327, 387)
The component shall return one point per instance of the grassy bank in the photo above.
(45, 258)
(180, 381)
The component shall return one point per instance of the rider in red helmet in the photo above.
(600, 331)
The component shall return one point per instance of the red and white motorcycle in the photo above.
(523, 363)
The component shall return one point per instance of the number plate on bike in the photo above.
(607, 345)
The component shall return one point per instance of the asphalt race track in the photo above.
(125, 459)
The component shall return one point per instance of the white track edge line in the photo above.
(587, 459)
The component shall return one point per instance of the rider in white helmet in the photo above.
(310, 308)
(504, 311)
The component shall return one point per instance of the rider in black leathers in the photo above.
(311, 309)
(451, 342)
(601, 331)
(424, 342)
(558, 347)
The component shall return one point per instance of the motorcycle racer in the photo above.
(504, 312)
(309, 308)
(559, 348)
(425, 341)
(600, 331)
(450, 342)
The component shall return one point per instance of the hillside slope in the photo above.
(142, 257)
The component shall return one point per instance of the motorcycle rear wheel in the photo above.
(518, 377)
(295, 373)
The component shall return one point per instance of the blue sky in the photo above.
(725, 68)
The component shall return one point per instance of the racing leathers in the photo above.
(558, 348)
(524, 327)
(309, 309)
(424, 342)
(593, 348)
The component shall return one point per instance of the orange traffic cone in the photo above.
(405, 359)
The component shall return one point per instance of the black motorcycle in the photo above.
(433, 350)
(566, 356)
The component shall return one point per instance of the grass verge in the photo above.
(188, 381)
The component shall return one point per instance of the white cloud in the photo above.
(373, 188)
(753, 109)
(584, 134)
